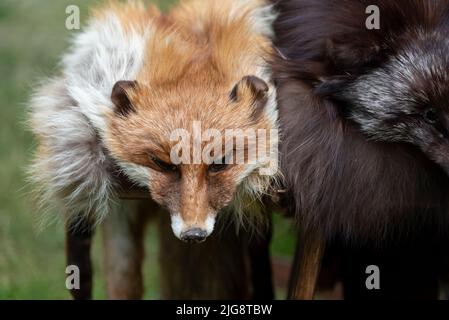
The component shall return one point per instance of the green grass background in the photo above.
(32, 262)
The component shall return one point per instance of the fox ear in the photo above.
(257, 87)
(120, 97)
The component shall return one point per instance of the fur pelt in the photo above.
(341, 178)
(73, 169)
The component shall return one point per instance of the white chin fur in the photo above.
(210, 223)
(177, 225)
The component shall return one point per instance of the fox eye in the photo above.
(430, 116)
(217, 167)
(164, 166)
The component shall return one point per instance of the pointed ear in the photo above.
(120, 97)
(257, 88)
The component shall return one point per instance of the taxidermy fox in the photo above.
(135, 89)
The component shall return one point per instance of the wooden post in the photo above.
(306, 265)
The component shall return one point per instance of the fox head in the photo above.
(153, 134)
(404, 100)
(200, 65)
(393, 82)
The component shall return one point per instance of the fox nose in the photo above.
(194, 235)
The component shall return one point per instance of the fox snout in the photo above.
(194, 235)
(196, 231)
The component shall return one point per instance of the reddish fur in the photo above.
(196, 55)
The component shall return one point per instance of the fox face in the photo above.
(174, 139)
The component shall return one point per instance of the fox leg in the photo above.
(123, 234)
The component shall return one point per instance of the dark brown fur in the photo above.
(215, 269)
(338, 180)
(389, 197)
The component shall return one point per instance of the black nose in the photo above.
(194, 235)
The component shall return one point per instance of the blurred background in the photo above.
(32, 262)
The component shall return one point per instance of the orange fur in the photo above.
(194, 57)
